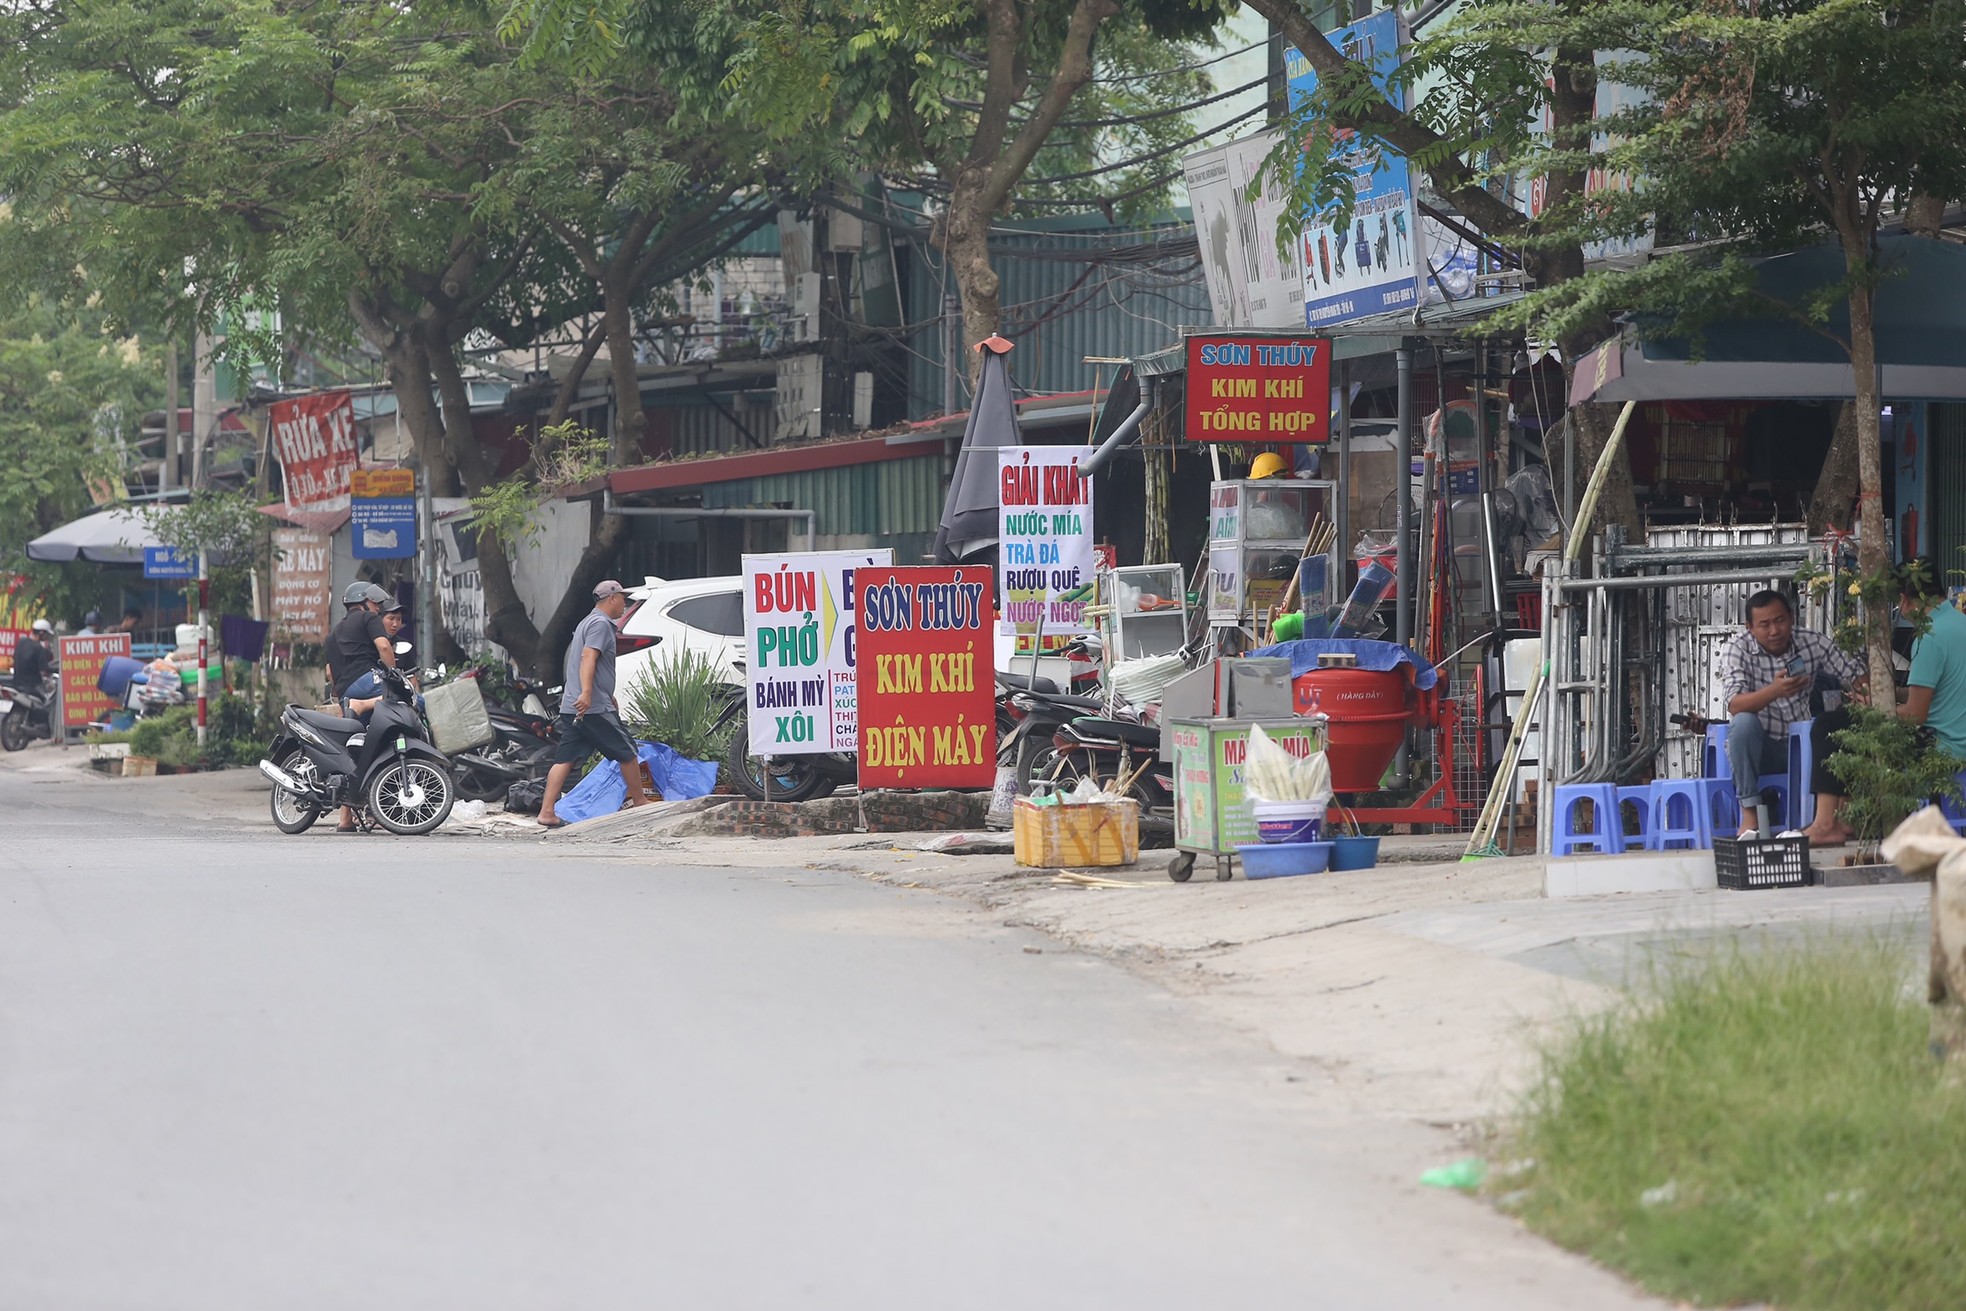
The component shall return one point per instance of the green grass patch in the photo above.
(1760, 1125)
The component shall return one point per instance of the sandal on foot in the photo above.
(558, 823)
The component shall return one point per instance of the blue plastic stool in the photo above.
(1606, 834)
(1802, 763)
(1713, 755)
(1723, 807)
(1640, 800)
(1673, 798)
(1953, 811)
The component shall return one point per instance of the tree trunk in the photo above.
(1872, 558)
(630, 419)
(1837, 485)
(965, 240)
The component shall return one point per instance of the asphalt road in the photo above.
(239, 1070)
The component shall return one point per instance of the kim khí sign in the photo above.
(1262, 390)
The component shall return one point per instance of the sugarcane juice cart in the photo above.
(1360, 715)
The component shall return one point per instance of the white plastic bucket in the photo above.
(1288, 821)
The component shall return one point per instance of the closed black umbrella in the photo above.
(969, 516)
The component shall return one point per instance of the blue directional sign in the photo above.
(169, 562)
(384, 527)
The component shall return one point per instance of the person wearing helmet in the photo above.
(365, 691)
(91, 624)
(359, 641)
(1269, 465)
(33, 660)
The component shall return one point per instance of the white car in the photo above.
(665, 618)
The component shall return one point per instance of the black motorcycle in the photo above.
(387, 770)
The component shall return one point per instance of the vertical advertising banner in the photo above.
(314, 438)
(302, 578)
(9, 639)
(1368, 266)
(1045, 555)
(82, 659)
(928, 716)
(799, 639)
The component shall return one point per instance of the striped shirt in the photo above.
(1745, 667)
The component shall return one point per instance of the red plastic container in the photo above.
(1368, 711)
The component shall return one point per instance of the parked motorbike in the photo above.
(1104, 749)
(387, 770)
(26, 716)
(792, 778)
(521, 750)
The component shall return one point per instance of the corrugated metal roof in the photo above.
(878, 500)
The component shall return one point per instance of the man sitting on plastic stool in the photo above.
(1766, 675)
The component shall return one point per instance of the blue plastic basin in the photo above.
(1276, 860)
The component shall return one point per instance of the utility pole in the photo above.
(951, 351)
(204, 406)
(167, 467)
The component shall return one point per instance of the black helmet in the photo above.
(355, 594)
(92, 619)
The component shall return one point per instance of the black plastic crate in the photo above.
(1746, 864)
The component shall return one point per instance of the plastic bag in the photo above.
(1269, 773)
(677, 778)
(525, 798)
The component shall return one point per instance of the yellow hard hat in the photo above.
(1268, 465)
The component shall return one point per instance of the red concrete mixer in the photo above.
(1367, 712)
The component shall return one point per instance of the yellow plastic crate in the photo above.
(1091, 834)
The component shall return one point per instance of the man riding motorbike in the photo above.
(33, 661)
(358, 644)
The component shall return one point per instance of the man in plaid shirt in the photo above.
(1766, 676)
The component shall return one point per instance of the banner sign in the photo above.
(928, 716)
(82, 659)
(384, 528)
(9, 639)
(1250, 285)
(799, 639)
(168, 562)
(381, 483)
(314, 437)
(1045, 555)
(1368, 267)
(302, 579)
(1263, 390)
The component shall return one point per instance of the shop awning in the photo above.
(106, 537)
(1921, 338)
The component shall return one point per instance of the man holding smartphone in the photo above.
(1767, 675)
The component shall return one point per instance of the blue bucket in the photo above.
(1276, 860)
(1354, 853)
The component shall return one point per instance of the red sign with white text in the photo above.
(1262, 390)
(82, 659)
(314, 436)
(9, 639)
(927, 687)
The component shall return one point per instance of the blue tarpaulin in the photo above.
(1382, 656)
(677, 778)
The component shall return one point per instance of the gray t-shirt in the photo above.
(597, 631)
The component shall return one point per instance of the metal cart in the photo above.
(1211, 807)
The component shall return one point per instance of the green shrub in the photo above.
(679, 702)
(1891, 768)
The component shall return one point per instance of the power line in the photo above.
(1142, 159)
(1184, 68)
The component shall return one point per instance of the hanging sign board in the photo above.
(314, 436)
(383, 527)
(927, 692)
(169, 562)
(82, 659)
(801, 696)
(301, 582)
(1045, 553)
(1261, 390)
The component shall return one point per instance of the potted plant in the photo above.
(1890, 768)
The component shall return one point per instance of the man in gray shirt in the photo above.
(588, 722)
